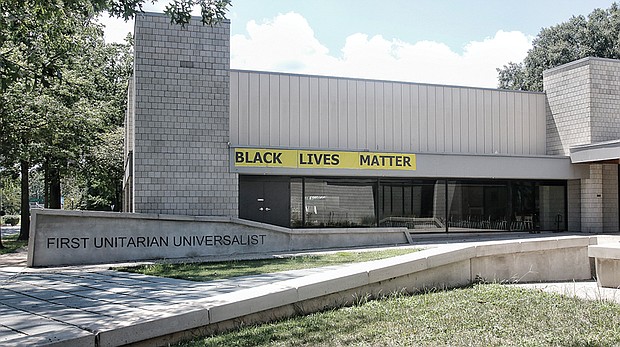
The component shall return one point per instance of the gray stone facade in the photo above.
(181, 129)
(583, 103)
(583, 107)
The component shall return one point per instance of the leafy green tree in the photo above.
(56, 87)
(598, 35)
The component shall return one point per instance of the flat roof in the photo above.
(595, 152)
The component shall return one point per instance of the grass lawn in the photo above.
(220, 270)
(481, 315)
(11, 244)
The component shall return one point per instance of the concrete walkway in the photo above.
(65, 306)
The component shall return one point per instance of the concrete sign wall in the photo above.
(78, 237)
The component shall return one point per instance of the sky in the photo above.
(453, 42)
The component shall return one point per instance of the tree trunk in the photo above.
(24, 230)
(54, 185)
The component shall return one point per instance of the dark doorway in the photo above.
(265, 200)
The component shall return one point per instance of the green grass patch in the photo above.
(220, 270)
(12, 244)
(481, 315)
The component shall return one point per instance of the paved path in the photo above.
(39, 306)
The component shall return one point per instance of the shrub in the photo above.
(11, 220)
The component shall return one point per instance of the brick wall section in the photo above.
(583, 103)
(592, 200)
(610, 198)
(574, 205)
(605, 99)
(568, 106)
(181, 119)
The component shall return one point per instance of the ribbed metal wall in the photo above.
(297, 111)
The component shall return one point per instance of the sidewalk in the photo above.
(68, 305)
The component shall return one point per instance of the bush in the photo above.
(10, 220)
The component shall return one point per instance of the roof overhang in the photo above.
(607, 152)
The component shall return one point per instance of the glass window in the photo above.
(415, 204)
(339, 203)
(476, 205)
(296, 202)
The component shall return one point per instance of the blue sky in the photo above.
(453, 22)
(441, 41)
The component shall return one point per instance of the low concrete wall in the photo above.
(534, 260)
(84, 237)
(607, 257)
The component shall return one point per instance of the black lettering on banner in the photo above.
(335, 159)
(331, 159)
(407, 161)
(364, 159)
(239, 157)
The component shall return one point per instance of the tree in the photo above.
(598, 35)
(50, 88)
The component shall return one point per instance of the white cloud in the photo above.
(115, 29)
(287, 44)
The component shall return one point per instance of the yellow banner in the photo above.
(309, 159)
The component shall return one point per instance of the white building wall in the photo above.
(284, 110)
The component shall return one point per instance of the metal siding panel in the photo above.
(397, 102)
(440, 132)
(473, 131)
(423, 128)
(503, 122)
(361, 117)
(541, 116)
(519, 115)
(495, 111)
(406, 117)
(488, 121)
(464, 111)
(534, 139)
(352, 119)
(274, 110)
(284, 131)
(332, 111)
(304, 111)
(480, 134)
(448, 120)
(510, 125)
(294, 114)
(528, 132)
(432, 119)
(254, 109)
(342, 114)
(371, 116)
(415, 118)
(457, 119)
(314, 118)
(379, 116)
(233, 120)
(388, 116)
(323, 113)
(244, 109)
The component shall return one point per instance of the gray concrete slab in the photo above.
(68, 306)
